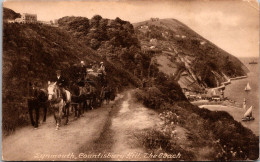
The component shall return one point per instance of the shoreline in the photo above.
(227, 101)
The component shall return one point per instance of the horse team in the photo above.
(76, 99)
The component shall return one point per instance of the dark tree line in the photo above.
(111, 38)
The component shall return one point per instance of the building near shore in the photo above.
(215, 94)
(27, 18)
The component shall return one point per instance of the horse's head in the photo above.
(34, 89)
(52, 90)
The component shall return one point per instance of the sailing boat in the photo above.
(247, 88)
(248, 115)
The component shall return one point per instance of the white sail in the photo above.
(249, 112)
(247, 88)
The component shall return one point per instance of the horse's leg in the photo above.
(96, 101)
(79, 109)
(107, 101)
(86, 103)
(64, 111)
(71, 109)
(76, 109)
(44, 112)
(93, 101)
(37, 116)
(30, 106)
(60, 111)
(83, 107)
(55, 116)
(99, 102)
(105, 98)
(89, 103)
(67, 113)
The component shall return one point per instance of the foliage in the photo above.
(111, 38)
(164, 143)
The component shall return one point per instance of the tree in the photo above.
(94, 43)
(94, 22)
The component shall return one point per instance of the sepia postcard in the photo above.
(130, 80)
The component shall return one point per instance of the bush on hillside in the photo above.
(111, 38)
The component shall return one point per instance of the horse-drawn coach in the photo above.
(85, 90)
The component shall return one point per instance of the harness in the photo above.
(58, 98)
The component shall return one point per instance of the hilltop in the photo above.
(195, 62)
(9, 14)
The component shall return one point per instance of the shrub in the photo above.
(161, 142)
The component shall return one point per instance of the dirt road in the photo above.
(107, 133)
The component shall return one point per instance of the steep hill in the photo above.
(194, 61)
(9, 14)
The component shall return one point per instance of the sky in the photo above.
(233, 25)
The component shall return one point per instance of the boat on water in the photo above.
(253, 62)
(247, 88)
(248, 115)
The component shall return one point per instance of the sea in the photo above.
(235, 91)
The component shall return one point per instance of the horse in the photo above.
(77, 100)
(58, 104)
(88, 92)
(108, 94)
(38, 99)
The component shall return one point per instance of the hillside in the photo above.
(195, 62)
(9, 14)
